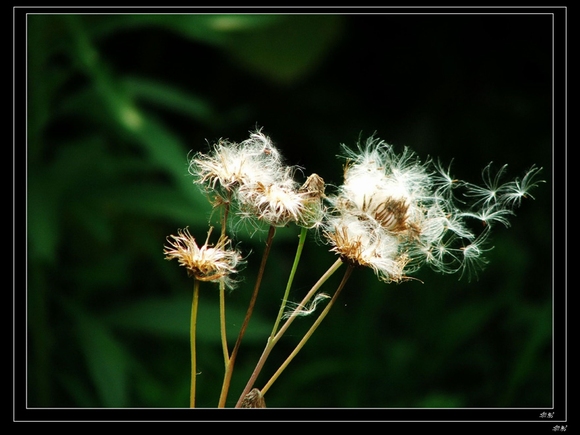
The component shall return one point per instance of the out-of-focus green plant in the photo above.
(105, 176)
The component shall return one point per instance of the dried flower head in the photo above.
(253, 175)
(206, 263)
(283, 201)
(231, 165)
(394, 213)
(275, 203)
(362, 242)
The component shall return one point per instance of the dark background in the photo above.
(116, 103)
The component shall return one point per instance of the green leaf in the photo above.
(106, 359)
(282, 48)
(171, 317)
(162, 147)
(441, 400)
(81, 393)
(43, 220)
(463, 323)
(157, 201)
(289, 50)
(164, 95)
(215, 29)
(537, 322)
(105, 273)
(218, 29)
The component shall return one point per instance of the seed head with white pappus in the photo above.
(394, 213)
(206, 263)
(231, 165)
(253, 175)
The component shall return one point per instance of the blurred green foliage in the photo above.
(117, 102)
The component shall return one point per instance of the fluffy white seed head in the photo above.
(274, 203)
(363, 243)
(394, 213)
(253, 175)
(230, 165)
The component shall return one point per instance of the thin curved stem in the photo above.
(301, 241)
(193, 327)
(273, 340)
(232, 359)
(222, 291)
(309, 333)
(335, 266)
(223, 332)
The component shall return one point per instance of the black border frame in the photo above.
(21, 413)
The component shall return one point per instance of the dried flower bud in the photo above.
(312, 192)
(313, 187)
(253, 399)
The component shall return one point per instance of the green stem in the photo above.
(193, 326)
(301, 241)
(232, 359)
(273, 340)
(309, 333)
(222, 291)
(223, 323)
(335, 266)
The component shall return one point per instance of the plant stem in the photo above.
(232, 359)
(301, 241)
(310, 331)
(335, 266)
(193, 326)
(273, 340)
(222, 290)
